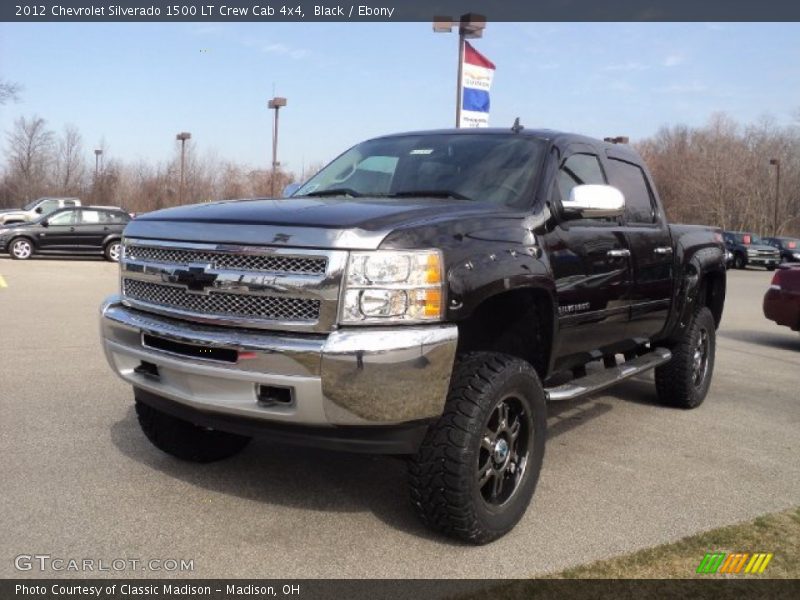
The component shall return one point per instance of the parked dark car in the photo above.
(782, 300)
(750, 249)
(83, 230)
(788, 247)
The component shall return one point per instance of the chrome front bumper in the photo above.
(365, 376)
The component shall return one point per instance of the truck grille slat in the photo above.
(276, 308)
(225, 260)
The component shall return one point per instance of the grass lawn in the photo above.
(641, 574)
(777, 533)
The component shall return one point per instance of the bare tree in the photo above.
(70, 163)
(30, 155)
(9, 91)
(720, 174)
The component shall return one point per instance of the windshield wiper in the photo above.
(429, 193)
(335, 192)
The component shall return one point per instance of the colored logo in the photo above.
(736, 563)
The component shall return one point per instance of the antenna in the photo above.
(516, 127)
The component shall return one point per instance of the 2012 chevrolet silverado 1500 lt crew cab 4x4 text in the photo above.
(424, 294)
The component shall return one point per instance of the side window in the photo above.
(113, 217)
(67, 217)
(578, 169)
(46, 207)
(631, 181)
(69, 203)
(90, 217)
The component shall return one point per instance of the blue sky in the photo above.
(136, 85)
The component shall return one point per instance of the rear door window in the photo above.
(90, 217)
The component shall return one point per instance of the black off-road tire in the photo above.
(444, 475)
(185, 440)
(739, 261)
(677, 382)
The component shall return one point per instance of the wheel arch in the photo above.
(25, 236)
(113, 237)
(519, 322)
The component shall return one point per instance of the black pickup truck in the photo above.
(425, 294)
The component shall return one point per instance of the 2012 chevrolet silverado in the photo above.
(424, 294)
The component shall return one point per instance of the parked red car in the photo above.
(782, 300)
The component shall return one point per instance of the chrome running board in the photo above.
(599, 380)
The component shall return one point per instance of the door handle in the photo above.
(663, 250)
(621, 253)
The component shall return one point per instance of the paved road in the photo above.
(79, 480)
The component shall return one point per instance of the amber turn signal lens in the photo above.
(433, 270)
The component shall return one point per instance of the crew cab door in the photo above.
(590, 260)
(650, 244)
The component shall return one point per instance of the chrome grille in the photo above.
(260, 287)
(276, 308)
(273, 263)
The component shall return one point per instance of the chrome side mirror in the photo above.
(592, 200)
(290, 189)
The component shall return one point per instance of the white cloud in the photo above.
(684, 88)
(631, 65)
(673, 60)
(622, 87)
(277, 48)
(284, 50)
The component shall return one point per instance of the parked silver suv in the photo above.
(36, 209)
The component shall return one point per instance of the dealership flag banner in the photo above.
(476, 81)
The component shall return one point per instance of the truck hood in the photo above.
(305, 222)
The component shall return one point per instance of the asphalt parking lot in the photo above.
(79, 480)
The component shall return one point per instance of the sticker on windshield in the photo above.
(422, 151)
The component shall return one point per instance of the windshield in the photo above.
(497, 168)
(748, 238)
(30, 205)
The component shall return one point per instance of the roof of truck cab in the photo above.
(550, 135)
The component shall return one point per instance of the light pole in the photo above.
(470, 26)
(275, 104)
(777, 163)
(97, 154)
(182, 137)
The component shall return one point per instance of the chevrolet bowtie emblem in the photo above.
(194, 278)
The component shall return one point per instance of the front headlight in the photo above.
(387, 286)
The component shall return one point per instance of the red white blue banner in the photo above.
(476, 81)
